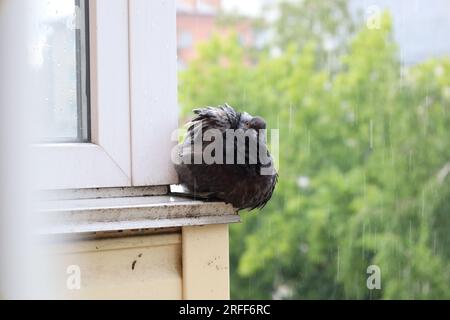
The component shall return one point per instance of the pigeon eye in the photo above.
(247, 123)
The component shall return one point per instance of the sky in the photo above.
(420, 27)
(247, 7)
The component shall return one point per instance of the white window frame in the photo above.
(133, 101)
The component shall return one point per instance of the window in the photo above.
(112, 124)
(83, 83)
(61, 52)
(185, 40)
(112, 128)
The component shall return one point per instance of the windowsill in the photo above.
(76, 216)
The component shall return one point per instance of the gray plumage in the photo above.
(242, 185)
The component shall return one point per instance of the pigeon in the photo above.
(240, 175)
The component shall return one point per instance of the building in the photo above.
(197, 21)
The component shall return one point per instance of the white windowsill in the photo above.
(76, 216)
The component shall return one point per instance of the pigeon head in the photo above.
(257, 123)
(249, 122)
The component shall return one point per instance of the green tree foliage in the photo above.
(372, 145)
(300, 22)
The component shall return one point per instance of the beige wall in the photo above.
(188, 263)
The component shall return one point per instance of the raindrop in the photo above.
(434, 242)
(423, 203)
(338, 263)
(410, 232)
(290, 117)
(410, 161)
(308, 137)
(371, 134)
(363, 240)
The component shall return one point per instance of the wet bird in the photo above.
(246, 184)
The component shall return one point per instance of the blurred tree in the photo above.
(327, 23)
(364, 168)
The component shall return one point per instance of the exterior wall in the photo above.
(198, 27)
(189, 263)
(206, 262)
(197, 22)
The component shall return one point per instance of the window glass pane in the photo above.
(60, 55)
